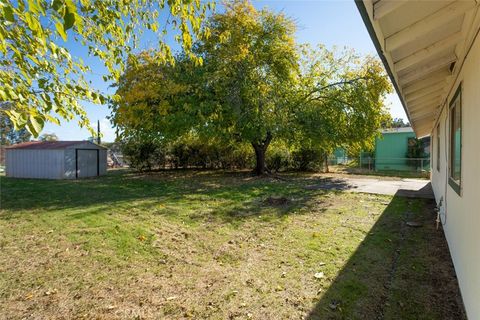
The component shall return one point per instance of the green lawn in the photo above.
(213, 245)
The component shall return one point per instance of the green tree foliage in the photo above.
(416, 151)
(394, 123)
(340, 101)
(279, 156)
(250, 68)
(188, 151)
(48, 137)
(143, 154)
(152, 100)
(8, 134)
(256, 87)
(307, 157)
(45, 82)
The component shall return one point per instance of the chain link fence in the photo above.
(367, 162)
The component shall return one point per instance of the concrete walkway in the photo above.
(414, 188)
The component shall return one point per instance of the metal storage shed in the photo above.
(56, 160)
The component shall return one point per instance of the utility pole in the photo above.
(98, 131)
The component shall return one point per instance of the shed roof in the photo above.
(49, 144)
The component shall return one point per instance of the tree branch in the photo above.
(342, 83)
(349, 82)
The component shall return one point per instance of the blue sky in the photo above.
(333, 23)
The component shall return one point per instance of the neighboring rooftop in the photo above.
(48, 144)
(397, 130)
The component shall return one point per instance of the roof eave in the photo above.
(371, 31)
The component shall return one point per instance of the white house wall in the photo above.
(38, 164)
(461, 213)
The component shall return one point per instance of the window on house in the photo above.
(438, 146)
(456, 141)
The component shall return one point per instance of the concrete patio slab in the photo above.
(415, 188)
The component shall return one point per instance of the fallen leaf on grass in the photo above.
(50, 292)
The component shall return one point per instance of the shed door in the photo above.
(87, 163)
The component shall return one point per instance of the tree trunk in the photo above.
(260, 151)
(326, 163)
(259, 160)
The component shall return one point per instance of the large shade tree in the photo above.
(250, 69)
(255, 85)
(340, 100)
(41, 77)
(239, 93)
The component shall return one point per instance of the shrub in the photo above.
(305, 159)
(278, 158)
(143, 155)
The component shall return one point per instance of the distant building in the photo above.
(340, 156)
(391, 151)
(56, 160)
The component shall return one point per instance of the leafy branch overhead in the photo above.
(43, 81)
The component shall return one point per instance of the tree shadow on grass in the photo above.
(397, 272)
(21, 194)
(233, 195)
(330, 183)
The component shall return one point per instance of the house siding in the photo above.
(460, 214)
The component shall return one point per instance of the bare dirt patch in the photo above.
(276, 201)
